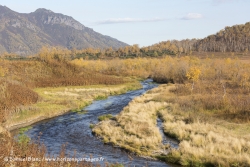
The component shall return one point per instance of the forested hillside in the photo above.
(230, 39)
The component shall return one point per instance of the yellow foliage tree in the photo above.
(193, 74)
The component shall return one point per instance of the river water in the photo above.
(73, 130)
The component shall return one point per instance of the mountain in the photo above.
(25, 34)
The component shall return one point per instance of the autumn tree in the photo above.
(193, 74)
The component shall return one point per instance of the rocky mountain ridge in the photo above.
(25, 34)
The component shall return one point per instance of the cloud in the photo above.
(192, 16)
(216, 2)
(128, 20)
(221, 1)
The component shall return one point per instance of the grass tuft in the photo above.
(105, 117)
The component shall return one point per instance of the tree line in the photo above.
(231, 39)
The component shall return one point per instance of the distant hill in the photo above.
(25, 34)
(230, 39)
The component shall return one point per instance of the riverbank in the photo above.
(135, 128)
(204, 139)
(60, 100)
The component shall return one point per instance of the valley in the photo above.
(70, 96)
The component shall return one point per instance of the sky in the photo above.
(146, 22)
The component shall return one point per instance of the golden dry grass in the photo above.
(202, 142)
(204, 139)
(135, 127)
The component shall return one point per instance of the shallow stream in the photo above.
(74, 130)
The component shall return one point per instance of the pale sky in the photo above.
(146, 22)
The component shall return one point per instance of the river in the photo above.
(73, 129)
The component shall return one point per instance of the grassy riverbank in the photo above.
(52, 102)
(135, 127)
(56, 101)
(204, 139)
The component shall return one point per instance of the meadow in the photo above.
(205, 104)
